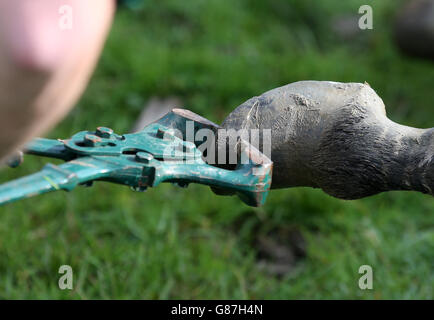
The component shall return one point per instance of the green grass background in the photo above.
(190, 243)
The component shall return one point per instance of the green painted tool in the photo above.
(158, 153)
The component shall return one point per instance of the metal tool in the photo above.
(158, 153)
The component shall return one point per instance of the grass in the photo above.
(189, 243)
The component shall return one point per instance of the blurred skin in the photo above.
(44, 68)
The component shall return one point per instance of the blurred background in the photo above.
(210, 56)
